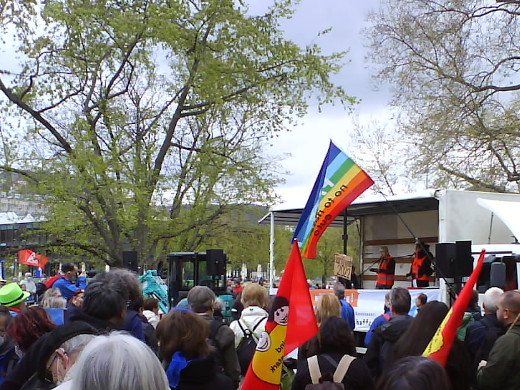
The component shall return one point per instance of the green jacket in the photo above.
(503, 366)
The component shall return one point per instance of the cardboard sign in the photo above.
(342, 266)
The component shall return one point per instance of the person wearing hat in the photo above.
(49, 359)
(12, 296)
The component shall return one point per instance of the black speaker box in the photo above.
(445, 257)
(463, 258)
(130, 260)
(215, 262)
(454, 260)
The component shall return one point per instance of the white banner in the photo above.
(370, 304)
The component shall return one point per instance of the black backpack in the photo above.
(247, 346)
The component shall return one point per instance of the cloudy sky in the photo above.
(307, 144)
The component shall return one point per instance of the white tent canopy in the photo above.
(507, 211)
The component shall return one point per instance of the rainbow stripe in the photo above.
(339, 182)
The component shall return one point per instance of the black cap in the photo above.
(52, 341)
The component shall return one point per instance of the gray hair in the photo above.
(53, 301)
(77, 343)
(491, 299)
(135, 290)
(105, 296)
(219, 304)
(339, 290)
(118, 362)
(200, 299)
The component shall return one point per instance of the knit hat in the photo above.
(11, 294)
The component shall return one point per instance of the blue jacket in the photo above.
(68, 288)
(347, 313)
(378, 321)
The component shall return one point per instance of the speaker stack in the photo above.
(130, 260)
(454, 260)
(215, 262)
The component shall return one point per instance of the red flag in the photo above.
(440, 345)
(42, 260)
(291, 322)
(28, 257)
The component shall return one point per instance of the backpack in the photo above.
(214, 327)
(324, 382)
(247, 346)
(51, 281)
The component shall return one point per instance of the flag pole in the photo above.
(345, 231)
(271, 252)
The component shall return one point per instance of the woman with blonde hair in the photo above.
(327, 306)
(254, 315)
(252, 319)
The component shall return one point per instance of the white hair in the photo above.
(118, 362)
(491, 299)
(77, 343)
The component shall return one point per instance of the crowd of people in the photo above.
(111, 337)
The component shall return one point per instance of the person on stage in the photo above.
(421, 267)
(385, 271)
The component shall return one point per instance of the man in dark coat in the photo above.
(502, 369)
(482, 334)
(380, 351)
(202, 301)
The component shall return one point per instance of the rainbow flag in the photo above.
(339, 182)
(291, 322)
(440, 345)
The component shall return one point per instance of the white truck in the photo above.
(434, 216)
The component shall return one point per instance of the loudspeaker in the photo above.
(130, 260)
(463, 258)
(215, 262)
(497, 275)
(445, 257)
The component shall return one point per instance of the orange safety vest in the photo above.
(416, 265)
(384, 278)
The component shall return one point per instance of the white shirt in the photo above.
(30, 286)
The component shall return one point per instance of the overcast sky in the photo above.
(308, 143)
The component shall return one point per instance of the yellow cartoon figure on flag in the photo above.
(268, 359)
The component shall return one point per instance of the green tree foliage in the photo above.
(139, 121)
(329, 244)
(454, 68)
(241, 237)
